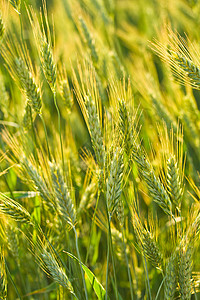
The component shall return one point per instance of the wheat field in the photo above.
(99, 149)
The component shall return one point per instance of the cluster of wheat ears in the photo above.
(100, 149)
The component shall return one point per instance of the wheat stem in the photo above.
(127, 264)
(59, 130)
(46, 136)
(79, 257)
(93, 222)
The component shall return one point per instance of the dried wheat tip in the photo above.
(12, 242)
(28, 85)
(62, 196)
(16, 4)
(48, 66)
(95, 130)
(114, 183)
(2, 28)
(66, 95)
(89, 40)
(170, 283)
(185, 271)
(13, 209)
(27, 117)
(56, 271)
(174, 181)
(3, 278)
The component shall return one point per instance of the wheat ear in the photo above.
(95, 130)
(13, 209)
(48, 65)
(28, 84)
(174, 181)
(114, 182)
(17, 5)
(89, 40)
(56, 271)
(185, 271)
(62, 196)
(170, 283)
(155, 186)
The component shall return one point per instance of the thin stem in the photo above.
(17, 292)
(147, 277)
(128, 269)
(59, 130)
(79, 257)
(46, 137)
(93, 218)
(112, 256)
(21, 27)
(108, 255)
(158, 293)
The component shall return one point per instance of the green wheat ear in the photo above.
(89, 40)
(17, 5)
(13, 209)
(95, 130)
(185, 271)
(28, 85)
(170, 283)
(66, 95)
(55, 270)
(63, 200)
(48, 65)
(174, 181)
(114, 184)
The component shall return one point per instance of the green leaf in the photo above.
(21, 194)
(51, 287)
(98, 288)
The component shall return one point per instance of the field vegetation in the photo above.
(99, 149)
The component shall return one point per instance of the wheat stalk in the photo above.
(3, 277)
